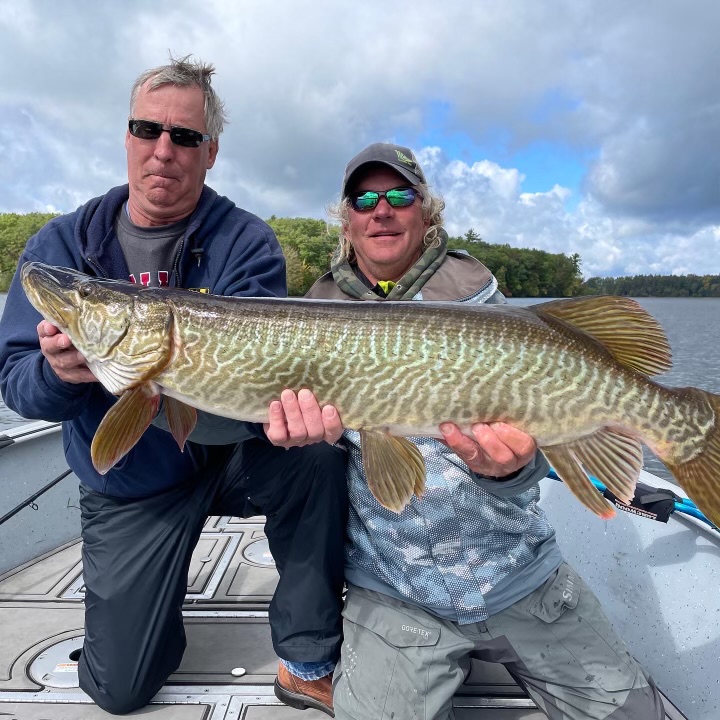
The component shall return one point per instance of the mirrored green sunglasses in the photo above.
(397, 197)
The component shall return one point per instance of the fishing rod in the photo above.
(31, 500)
(650, 502)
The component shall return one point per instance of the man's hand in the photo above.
(297, 420)
(497, 450)
(67, 362)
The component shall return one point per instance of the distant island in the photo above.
(308, 245)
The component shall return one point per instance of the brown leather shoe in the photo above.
(304, 694)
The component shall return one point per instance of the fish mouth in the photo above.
(68, 285)
(58, 293)
(49, 275)
(55, 292)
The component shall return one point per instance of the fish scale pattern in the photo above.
(412, 370)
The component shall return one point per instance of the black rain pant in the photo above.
(136, 555)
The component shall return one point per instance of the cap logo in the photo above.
(403, 158)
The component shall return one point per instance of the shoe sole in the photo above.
(300, 701)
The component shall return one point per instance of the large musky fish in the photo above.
(574, 374)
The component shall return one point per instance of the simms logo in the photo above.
(569, 589)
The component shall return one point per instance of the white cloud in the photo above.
(309, 83)
(489, 199)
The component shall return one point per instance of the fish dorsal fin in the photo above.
(123, 425)
(394, 468)
(571, 473)
(181, 419)
(624, 328)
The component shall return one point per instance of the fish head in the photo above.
(122, 331)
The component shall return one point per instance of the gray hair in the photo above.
(432, 211)
(185, 72)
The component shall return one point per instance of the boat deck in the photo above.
(231, 580)
(658, 582)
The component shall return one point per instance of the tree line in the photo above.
(309, 243)
(524, 272)
(655, 286)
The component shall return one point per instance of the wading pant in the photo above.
(400, 662)
(136, 556)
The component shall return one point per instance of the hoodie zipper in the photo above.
(96, 265)
(178, 255)
(176, 262)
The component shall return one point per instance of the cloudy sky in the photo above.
(566, 125)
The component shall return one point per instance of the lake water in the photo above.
(692, 326)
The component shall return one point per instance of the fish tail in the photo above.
(700, 476)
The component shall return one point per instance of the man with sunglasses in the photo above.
(472, 568)
(141, 521)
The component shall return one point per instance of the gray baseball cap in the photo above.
(400, 159)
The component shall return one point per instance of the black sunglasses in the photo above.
(397, 197)
(149, 130)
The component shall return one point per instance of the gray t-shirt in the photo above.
(149, 251)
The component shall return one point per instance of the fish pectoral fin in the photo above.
(123, 425)
(181, 419)
(567, 466)
(614, 459)
(394, 468)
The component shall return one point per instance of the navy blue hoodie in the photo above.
(235, 253)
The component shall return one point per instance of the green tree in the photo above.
(523, 272)
(308, 245)
(15, 230)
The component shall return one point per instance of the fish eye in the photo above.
(84, 291)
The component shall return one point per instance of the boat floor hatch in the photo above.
(230, 584)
